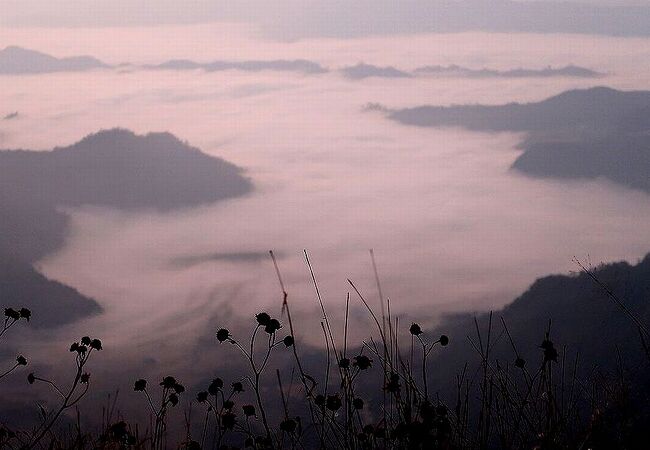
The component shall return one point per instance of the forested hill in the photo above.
(114, 168)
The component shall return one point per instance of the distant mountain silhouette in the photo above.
(296, 65)
(114, 168)
(597, 132)
(581, 315)
(120, 169)
(52, 303)
(464, 72)
(585, 111)
(17, 60)
(623, 159)
(361, 71)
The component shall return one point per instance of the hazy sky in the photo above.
(300, 18)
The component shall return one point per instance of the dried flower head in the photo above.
(168, 382)
(362, 362)
(288, 426)
(415, 329)
(193, 445)
(393, 385)
(333, 402)
(263, 319)
(223, 335)
(12, 313)
(215, 386)
(273, 326)
(550, 353)
(228, 420)
(25, 314)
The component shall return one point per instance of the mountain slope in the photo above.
(581, 316)
(52, 303)
(120, 169)
(114, 168)
(590, 133)
(17, 60)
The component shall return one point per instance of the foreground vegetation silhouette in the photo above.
(374, 395)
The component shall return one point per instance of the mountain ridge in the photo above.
(15, 60)
(589, 133)
(115, 168)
